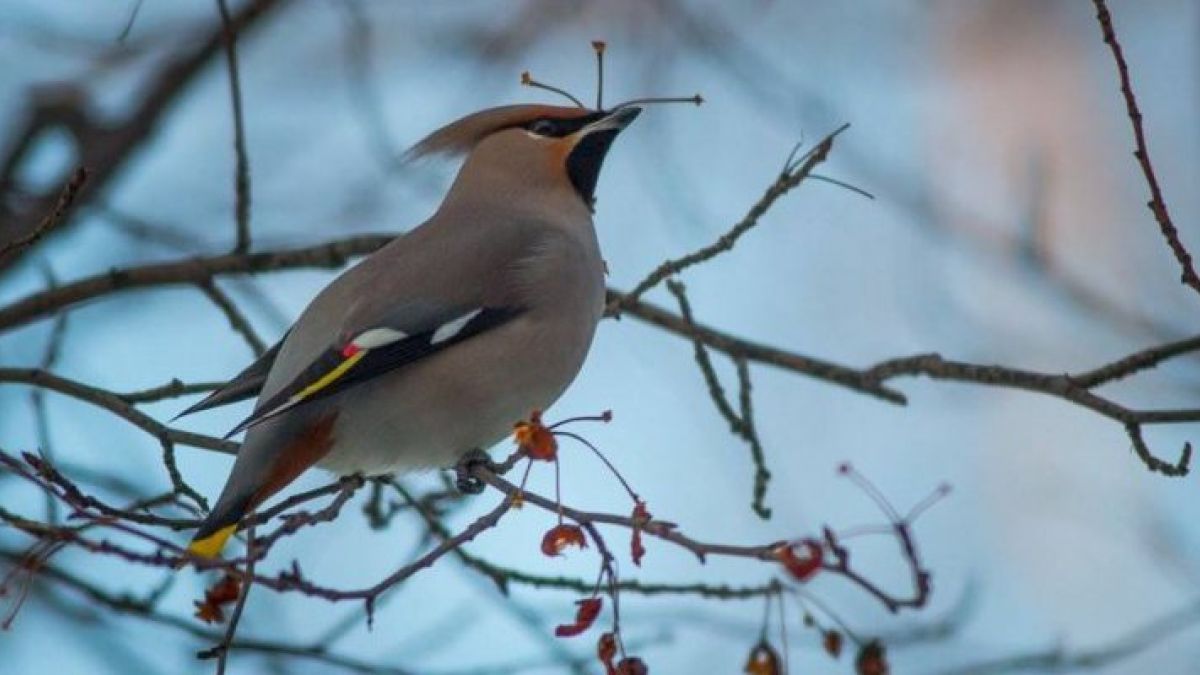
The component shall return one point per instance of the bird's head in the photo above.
(540, 147)
(537, 145)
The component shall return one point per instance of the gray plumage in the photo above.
(515, 233)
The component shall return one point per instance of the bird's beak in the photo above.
(614, 121)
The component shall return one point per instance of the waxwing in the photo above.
(437, 343)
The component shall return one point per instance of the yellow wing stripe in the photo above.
(330, 377)
(210, 546)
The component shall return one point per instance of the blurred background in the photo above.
(1008, 226)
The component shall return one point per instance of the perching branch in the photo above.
(167, 554)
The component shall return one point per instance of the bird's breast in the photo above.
(431, 413)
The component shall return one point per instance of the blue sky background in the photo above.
(971, 120)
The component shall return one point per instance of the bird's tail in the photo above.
(266, 463)
(221, 523)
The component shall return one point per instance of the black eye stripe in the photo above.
(558, 128)
(543, 127)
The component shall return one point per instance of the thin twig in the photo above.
(180, 485)
(762, 475)
(792, 175)
(221, 650)
(503, 576)
(173, 389)
(1157, 205)
(237, 320)
(1136, 362)
(116, 405)
(767, 552)
(336, 253)
(66, 198)
(187, 272)
(756, 352)
(741, 423)
(37, 397)
(242, 175)
(107, 146)
(143, 608)
(128, 28)
(1063, 386)
(169, 554)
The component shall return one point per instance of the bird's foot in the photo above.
(464, 478)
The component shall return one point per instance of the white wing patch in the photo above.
(451, 328)
(378, 337)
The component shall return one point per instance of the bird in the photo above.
(436, 344)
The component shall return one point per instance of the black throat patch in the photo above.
(583, 164)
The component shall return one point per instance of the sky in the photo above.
(972, 124)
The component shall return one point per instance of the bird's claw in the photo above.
(464, 477)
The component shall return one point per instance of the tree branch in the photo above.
(116, 405)
(242, 169)
(794, 173)
(237, 320)
(1157, 205)
(66, 198)
(741, 424)
(105, 147)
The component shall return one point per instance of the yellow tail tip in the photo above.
(210, 546)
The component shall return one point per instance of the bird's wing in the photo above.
(377, 350)
(244, 385)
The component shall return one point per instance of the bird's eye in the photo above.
(543, 128)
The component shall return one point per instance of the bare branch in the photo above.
(336, 253)
(741, 423)
(144, 610)
(1179, 468)
(872, 380)
(503, 576)
(116, 405)
(172, 389)
(792, 175)
(1136, 362)
(65, 199)
(192, 271)
(170, 555)
(1157, 204)
(106, 146)
(237, 320)
(221, 649)
(242, 171)
(756, 352)
(1062, 386)
(668, 532)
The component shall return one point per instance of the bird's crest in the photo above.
(460, 136)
